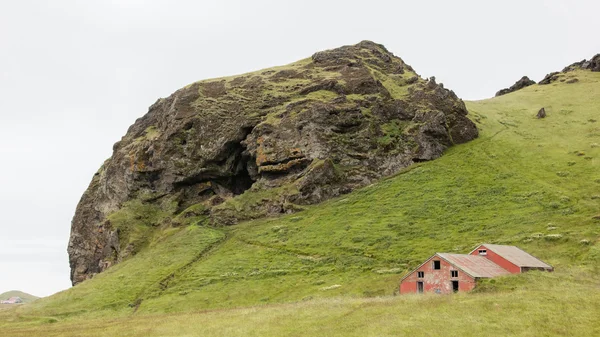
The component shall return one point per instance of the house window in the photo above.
(454, 273)
(482, 252)
(420, 274)
(437, 265)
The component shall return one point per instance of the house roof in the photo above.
(516, 256)
(476, 266)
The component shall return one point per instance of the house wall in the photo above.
(499, 260)
(438, 281)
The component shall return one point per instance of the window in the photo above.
(437, 265)
(482, 252)
(420, 274)
(454, 273)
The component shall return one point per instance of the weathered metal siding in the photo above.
(499, 260)
(437, 281)
(517, 256)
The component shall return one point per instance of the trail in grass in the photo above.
(163, 284)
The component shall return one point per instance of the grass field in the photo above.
(535, 304)
(333, 269)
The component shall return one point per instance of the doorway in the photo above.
(455, 286)
(419, 287)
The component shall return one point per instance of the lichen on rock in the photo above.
(222, 151)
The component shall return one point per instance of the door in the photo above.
(420, 287)
(455, 286)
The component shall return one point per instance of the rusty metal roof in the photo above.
(476, 266)
(516, 256)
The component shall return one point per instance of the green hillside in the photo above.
(15, 293)
(333, 269)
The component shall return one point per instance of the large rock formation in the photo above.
(520, 84)
(226, 150)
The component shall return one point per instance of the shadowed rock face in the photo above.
(227, 150)
(520, 84)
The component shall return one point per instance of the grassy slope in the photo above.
(24, 296)
(530, 182)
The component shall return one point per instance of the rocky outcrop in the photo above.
(549, 78)
(520, 84)
(593, 65)
(222, 151)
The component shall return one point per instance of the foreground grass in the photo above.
(541, 304)
(529, 182)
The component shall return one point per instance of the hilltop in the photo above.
(27, 298)
(333, 268)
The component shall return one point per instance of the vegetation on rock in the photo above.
(267, 143)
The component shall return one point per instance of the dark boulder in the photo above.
(550, 78)
(541, 113)
(594, 63)
(520, 84)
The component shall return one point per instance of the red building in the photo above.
(12, 300)
(445, 273)
(510, 258)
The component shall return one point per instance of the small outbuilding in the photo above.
(12, 300)
(445, 273)
(511, 258)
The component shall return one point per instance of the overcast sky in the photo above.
(75, 74)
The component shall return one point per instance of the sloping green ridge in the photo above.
(530, 182)
(16, 293)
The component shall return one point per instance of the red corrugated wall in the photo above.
(499, 260)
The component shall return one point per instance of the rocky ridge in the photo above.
(221, 151)
(520, 84)
(593, 65)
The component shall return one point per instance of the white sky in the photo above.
(75, 74)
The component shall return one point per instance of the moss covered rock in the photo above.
(226, 150)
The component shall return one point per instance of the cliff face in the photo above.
(221, 151)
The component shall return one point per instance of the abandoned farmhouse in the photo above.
(12, 300)
(445, 273)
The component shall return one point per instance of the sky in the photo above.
(75, 74)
